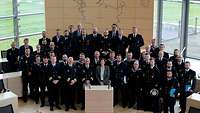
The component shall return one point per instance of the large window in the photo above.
(171, 24)
(31, 6)
(194, 29)
(31, 24)
(29, 21)
(6, 8)
(6, 28)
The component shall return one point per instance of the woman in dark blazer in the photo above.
(102, 73)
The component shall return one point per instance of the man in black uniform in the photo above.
(152, 88)
(38, 51)
(75, 45)
(135, 85)
(23, 47)
(95, 38)
(68, 43)
(120, 81)
(110, 63)
(43, 79)
(170, 91)
(114, 32)
(135, 42)
(96, 60)
(69, 81)
(120, 44)
(187, 85)
(44, 41)
(36, 73)
(129, 60)
(13, 58)
(88, 74)
(161, 48)
(59, 42)
(84, 43)
(54, 83)
(79, 65)
(26, 62)
(105, 45)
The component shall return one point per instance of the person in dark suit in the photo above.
(38, 51)
(59, 42)
(79, 65)
(153, 47)
(120, 44)
(54, 83)
(102, 73)
(75, 45)
(23, 47)
(129, 60)
(135, 85)
(44, 41)
(187, 85)
(162, 48)
(161, 62)
(43, 79)
(114, 32)
(12, 56)
(135, 42)
(176, 53)
(88, 74)
(95, 38)
(52, 48)
(110, 63)
(84, 43)
(120, 81)
(170, 91)
(152, 87)
(68, 43)
(36, 73)
(69, 82)
(96, 60)
(26, 62)
(71, 30)
(105, 45)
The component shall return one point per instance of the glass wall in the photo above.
(171, 24)
(6, 8)
(194, 30)
(30, 21)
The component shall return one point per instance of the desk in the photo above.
(3, 60)
(13, 82)
(193, 101)
(8, 98)
(99, 99)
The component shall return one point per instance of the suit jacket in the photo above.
(106, 75)
(22, 50)
(43, 39)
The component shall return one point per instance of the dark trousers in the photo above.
(42, 93)
(183, 98)
(131, 95)
(70, 96)
(124, 95)
(116, 94)
(53, 91)
(25, 82)
(169, 102)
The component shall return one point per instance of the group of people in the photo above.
(147, 80)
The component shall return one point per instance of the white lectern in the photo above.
(98, 99)
(193, 101)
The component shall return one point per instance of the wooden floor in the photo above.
(31, 107)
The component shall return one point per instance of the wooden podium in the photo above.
(98, 99)
(193, 101)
